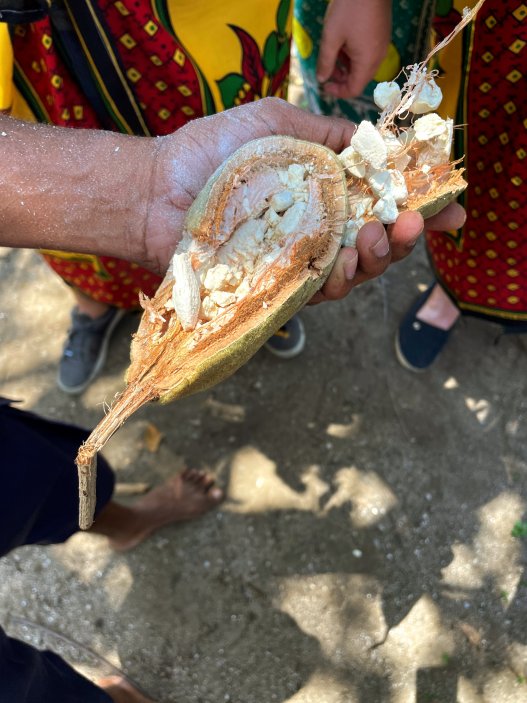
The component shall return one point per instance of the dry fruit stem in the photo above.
(130, 400)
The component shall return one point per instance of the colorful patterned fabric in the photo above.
(411, 23)
(482, 75)
(143, 67)
(484, 265)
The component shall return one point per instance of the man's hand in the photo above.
(378, 248)
(355, 39)
(187, 158)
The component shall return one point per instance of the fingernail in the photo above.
(382, 247)
(350, 267)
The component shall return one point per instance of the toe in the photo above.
(206, 481)
(216, 494)
(195, 475)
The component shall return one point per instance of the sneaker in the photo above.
(85, 349)
(418, 344)
(289, 341)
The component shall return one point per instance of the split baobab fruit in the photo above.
(260, 240)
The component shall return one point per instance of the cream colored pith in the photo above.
(263, 233)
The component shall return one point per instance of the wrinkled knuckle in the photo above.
(272, 103)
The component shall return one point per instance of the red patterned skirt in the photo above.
(147, 68)
(484, 265)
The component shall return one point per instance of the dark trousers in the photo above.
(38, 505)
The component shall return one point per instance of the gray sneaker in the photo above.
(85, 349)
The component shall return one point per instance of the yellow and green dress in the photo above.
(409, 43)
(143, 68)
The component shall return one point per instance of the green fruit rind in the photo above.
(433, 207)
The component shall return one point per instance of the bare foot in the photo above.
(121, 691)
(185, 496)
(439, 311)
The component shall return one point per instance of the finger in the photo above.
(275, 116)
(340, 71)
(352, 81)
(451, 217)
(358, 78)
(340, 280)
(374, 251)
(327, 55)
(333, 132)
(345, 90)
(404, 234)
(354, 266)
(377, 248)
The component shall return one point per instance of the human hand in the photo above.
(126, 196)
(377, 248)
(355, 38)
(187, 158)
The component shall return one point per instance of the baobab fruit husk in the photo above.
(168, 362)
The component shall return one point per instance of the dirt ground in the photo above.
(365, 551)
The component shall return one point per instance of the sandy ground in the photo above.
(364, 553)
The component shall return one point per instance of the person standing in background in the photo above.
(480, 269)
